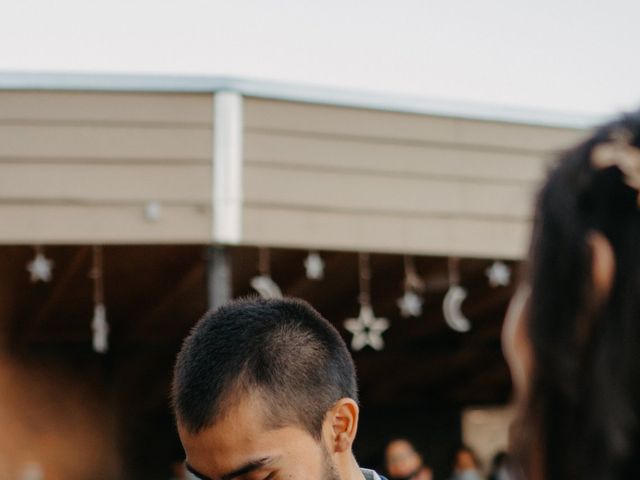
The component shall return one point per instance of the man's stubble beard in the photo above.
(329, 468)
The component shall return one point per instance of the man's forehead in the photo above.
(241, 432)
(241, 420)
(240, 406)
(218, 452)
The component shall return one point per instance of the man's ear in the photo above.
(341, 425)
(603, 265)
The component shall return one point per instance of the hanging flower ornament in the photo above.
(263, 283)
(99, 324)
(453, 299)
(499, 274)
(40, 268)
(314, 266)
(366, 328)
(410, 304)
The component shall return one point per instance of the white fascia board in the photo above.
(297, 93)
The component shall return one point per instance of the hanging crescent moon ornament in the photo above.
(266, 287)
(263, 283)
(452, 309)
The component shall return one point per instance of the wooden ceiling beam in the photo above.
(60, 288)
(141, 323)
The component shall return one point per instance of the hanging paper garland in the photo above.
(366, 328)
(453, 299)
(263, 283)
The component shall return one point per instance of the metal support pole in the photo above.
(219, 286)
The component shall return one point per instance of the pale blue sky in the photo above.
(567, 55)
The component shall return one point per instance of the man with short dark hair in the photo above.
(266, 390)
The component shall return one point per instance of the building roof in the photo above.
(296, 93)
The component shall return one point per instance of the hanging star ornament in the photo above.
(314, 266)
(499, 274)
(410, 304)
(40, 268)
(366, 329)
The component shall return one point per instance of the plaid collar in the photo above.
(371, 475)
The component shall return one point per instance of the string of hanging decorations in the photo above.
(366, 329)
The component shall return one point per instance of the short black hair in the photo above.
(282, 349)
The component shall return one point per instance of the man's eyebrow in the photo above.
(194, 472)
(246, 468)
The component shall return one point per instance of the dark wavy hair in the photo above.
(580, 419)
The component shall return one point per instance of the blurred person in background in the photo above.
(52, 425)
(466, 465)
(572, 333)
(499, 467)
(403, 462)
